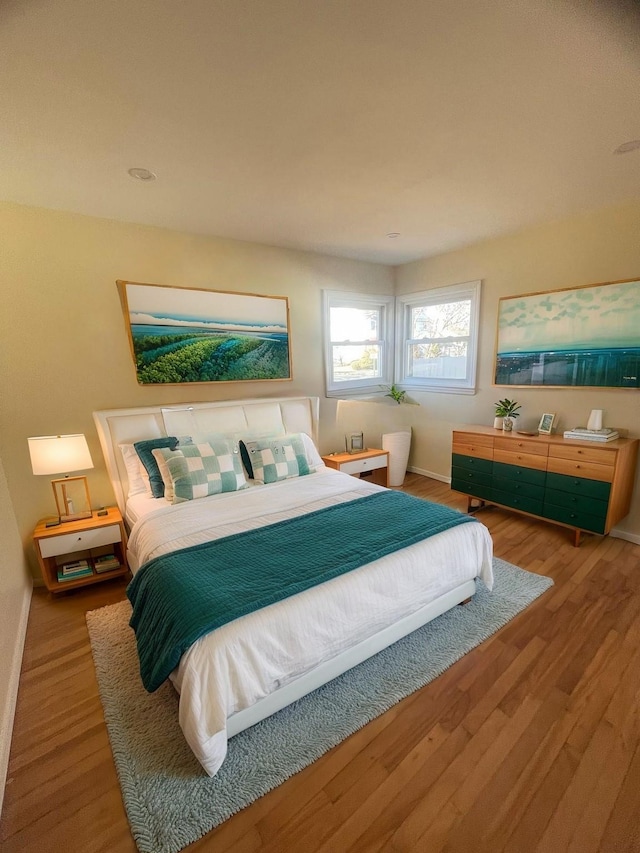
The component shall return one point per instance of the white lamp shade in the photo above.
(59, 454)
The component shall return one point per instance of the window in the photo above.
(358, 347)
(437, 339)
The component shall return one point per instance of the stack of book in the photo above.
(73, 571)
(106, 563)
(604, 434)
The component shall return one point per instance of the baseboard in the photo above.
(623, 534)
(7, 714)
(413, 470)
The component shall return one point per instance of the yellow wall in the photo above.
(15, 595)
(64, 347)
(599, 247)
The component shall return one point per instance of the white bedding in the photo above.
(240, 663)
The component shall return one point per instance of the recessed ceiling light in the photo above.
(393, 234)
(632, 145)
(142, 174)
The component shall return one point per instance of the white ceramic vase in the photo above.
(595, 419)
(497, 422)
(398, 444)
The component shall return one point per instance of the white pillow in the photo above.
(313, 456)
(131, 460)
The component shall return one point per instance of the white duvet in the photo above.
(240, 663)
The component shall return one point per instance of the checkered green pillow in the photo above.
(273, 459)
(198, 470)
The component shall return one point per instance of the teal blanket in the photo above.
(178, 598)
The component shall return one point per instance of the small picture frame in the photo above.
(355, 442)
(546, 423)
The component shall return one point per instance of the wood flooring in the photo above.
(529, 743)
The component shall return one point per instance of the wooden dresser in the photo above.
(579, 484)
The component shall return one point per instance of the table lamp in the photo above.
(60, 454)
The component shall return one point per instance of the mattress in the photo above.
(240, 663)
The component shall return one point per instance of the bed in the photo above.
(252, 666)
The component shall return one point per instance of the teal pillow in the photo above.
(199, 470)
(269, 460)
(143, 449)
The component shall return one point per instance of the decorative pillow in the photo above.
(131, 460)
(159, 456)
(271, 459)
(145, 449)
(314, 460)
(199, 470)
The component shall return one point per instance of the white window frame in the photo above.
(344, 299)
(404, 304)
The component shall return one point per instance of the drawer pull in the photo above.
(577, 466)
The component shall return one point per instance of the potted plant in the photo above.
(395, 393)
(397, 443)
(508, 411)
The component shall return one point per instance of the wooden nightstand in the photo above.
(359, 463)
(88, 540)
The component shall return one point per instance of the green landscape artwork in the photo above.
(579, 337)
(189, 335)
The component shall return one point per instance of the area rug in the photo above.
(169, 800)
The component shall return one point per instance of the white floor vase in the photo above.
(398, 444)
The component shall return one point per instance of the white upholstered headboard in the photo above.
(273, 415)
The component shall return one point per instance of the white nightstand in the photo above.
(358, 463)
(87, 539)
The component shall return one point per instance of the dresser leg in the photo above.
(470, 507)
(576, 538)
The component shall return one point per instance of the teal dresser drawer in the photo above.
(575, 518)
(472, 488)
(462, 475)
(519, 488)
(515, 473)
(576, 503)
(472, 463)
(579, 486)
(521, 502)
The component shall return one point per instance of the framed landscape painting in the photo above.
(182, 335)
(580, 337)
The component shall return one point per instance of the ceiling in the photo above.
(322, 124)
